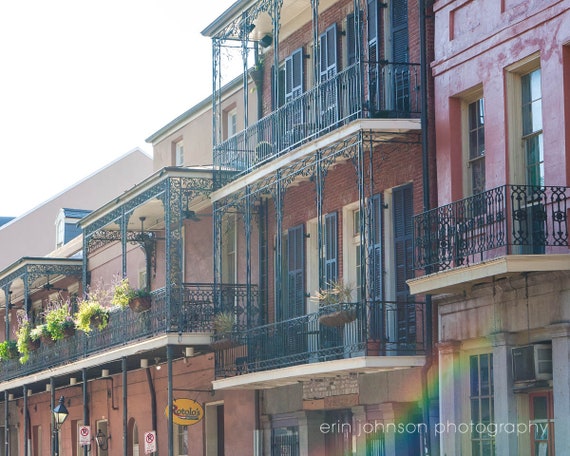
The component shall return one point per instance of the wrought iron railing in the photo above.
(381, 89)
(511, 219)
(374, 328)
(193, 314)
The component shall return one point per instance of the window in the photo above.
(181, 440)
(352, 261)
(135, 439)
(103, 427)
(542, 421)
(294, 75)
(37, 440)
(481, 396)
(231, 120)
(294, 305)
(476, 145)
(214, 418)
(532, 127)
(331, 249)
(229, 246)
(179, 153)
(285, 441)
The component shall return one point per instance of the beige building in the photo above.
(38, 226)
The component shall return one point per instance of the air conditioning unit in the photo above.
(532, 363)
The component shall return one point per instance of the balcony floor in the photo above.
(464, 277)
(134, 350)
(294, 374)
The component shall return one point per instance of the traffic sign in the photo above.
(149, 442)
(84, 435)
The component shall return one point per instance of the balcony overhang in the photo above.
(388, 128)
(463, 278)
(108, 356)
(151, 187)
(294, 374)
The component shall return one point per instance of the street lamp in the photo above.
(59, 416)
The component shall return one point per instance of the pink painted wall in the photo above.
(475, 42)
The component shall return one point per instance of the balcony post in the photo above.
(561, 384)
(504, 397)
(450, 398)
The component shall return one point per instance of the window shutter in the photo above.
(400, 31)
(373, 38)
(402, 203)
(295, 272)
(402, 213)
(294, 75)
(377, 248)
(328, 53)
(331, 248)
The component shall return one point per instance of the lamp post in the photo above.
(59, 416)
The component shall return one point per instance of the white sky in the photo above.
(84, 82)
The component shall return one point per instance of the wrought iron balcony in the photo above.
(381, 89)
(193, 313)
(511, 219)
(366, 329)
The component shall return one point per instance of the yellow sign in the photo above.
(185, 412)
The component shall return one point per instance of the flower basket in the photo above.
(68, 332)
(47, 340)
(140, 304)
(33, 344)
(338, 317)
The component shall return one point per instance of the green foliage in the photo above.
(223, 322)
(23, 337)
(39, 331)
(123, 293)
(8, 349)
(58, 319)
(91, 313)
(337, 292)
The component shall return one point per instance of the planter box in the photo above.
(337, 318)
(140, 304)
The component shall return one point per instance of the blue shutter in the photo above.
(377, 267)
(402, 205)
(294, 75)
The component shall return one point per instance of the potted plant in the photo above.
(334, 304)
(40, 332)
(58, 320)
(8, 350)
(223, 337)
(91, 314)
(121, 293)
(138, 299)
(24, 341)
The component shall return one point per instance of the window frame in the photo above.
(516, 151)
(479, 397)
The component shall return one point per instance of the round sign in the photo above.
(185, 412)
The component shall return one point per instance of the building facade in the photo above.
(494, 253)
(313, 207)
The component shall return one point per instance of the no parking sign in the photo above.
(149, 442)
(84, 435)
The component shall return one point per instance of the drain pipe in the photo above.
(424, 68)
(152, 398)
(86, 448)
